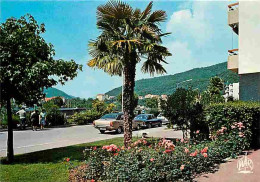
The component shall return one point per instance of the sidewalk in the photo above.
(228, 172)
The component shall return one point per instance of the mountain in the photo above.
(54, 92)
(167, 84)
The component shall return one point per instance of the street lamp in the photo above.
(177, 85)
(122, 90)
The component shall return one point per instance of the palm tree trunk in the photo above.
(10, 149)
(128, 99)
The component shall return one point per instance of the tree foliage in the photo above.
(27, 66)
(27, 61)
(151, 103)
(183, 109)
(127, 35)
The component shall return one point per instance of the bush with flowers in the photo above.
(231, 130)
(153, 160)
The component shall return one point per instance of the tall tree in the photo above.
(127, 37)
(26, 66)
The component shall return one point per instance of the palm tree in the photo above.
(128, 36)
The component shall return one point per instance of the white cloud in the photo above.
(200, 35)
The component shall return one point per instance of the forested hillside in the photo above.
(167, 84)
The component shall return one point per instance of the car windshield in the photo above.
(159, 115)
(110, 116)
(141, 117)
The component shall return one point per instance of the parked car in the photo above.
(148, 120)
(113, 122)
(164, 119)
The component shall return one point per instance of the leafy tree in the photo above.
(27, 66)
(151, 103)
(99, 106)
(110, 107)
(127, 35)
(58, 101)
(213, 94)
(216, 85)
(182, 108)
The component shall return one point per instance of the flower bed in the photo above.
(154, 160)
(231, 130)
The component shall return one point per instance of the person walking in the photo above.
(22, 116)
(35, 120)
(43, 119)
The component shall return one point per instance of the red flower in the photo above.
(205, 155)
(115, 154)
(68, 159)
(205, 150)
(118, 149)
(186, 150)
(182, 167)
(92, 180)
(167, 151)
(198, 131)
(152, 159)
(194, 154)
(94, 148)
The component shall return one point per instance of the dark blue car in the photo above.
(148, 120)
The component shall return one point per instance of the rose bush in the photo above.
(154, 160)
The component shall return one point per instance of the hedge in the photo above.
(231, 113)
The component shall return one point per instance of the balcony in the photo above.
(233, 16)
(233, 60)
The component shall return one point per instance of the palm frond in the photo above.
(147, 11)
(151, 66)
(157, 16)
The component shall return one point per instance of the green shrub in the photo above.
(84, 117)
(55, 117)
(3, 121)
(233, 114)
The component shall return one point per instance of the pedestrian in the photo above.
(43, 119)
(22, 116)
(35, 120)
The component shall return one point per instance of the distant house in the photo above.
(140, 97)
(71, 111)
(148, 96)
(164, 97)
(101, 97)
(111, 97)
(46, 99)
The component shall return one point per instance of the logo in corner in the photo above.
(245, 165)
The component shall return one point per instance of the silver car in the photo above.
(164, 119)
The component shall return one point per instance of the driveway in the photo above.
(30, 141)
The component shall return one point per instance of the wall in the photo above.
(249, 37)
(249, 87)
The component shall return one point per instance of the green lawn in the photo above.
(47, 165)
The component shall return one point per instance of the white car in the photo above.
(164, 119)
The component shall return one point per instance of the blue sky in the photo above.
(200, 36)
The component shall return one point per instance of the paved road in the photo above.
(30, 141)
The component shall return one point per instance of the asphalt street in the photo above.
(26, 141)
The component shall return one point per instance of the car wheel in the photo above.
(149, 125)
(119, 130)
(160, 124)
(138, 127)
(102, 131)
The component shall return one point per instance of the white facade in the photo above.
(232, 90)
(249, 37)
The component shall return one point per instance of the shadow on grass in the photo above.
(75, 153)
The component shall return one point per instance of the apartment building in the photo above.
(244, 19)
(232, 90)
